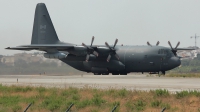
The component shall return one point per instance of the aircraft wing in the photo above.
(185, 49)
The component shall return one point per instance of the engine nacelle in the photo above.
(55, 55)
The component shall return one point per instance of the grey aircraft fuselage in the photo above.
(131, 59)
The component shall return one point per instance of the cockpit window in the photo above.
(161, 51)
(165, 51)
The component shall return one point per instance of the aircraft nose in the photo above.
(175, 61)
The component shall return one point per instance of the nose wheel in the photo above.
(161, 73)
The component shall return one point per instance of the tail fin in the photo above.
(43, 29)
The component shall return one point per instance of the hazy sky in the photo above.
(133, 22)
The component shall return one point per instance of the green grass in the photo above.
(122, 93)
(161, 92)
(97, 100)
(156, 103)
(183, 94)
(16, 99)
(139, 105)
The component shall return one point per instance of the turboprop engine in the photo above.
(55, 55)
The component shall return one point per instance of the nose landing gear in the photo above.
(162, 73)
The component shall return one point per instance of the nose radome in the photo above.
(175, 61)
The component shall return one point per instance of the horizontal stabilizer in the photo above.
(42, 47)
(48, 46)
(20, 48)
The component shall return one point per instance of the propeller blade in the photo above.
(117, 56)
(108, 59)
(149, 44)
(170, 45)
(177, 45)
(115, 43)
(107, 45)
(84, 45)
(157, 43)
(96, 53)
(87, 58)
(92, 40)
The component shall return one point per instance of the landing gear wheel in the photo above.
(163, 72)
(123, 73)
(105, 73)
(115, 73)
(97, 73)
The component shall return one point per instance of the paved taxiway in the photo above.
(130, 82)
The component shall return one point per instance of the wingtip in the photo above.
(7, 48)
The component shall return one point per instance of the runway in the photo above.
(130, 82)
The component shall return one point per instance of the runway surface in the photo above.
(130, 82)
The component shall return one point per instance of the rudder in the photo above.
(43, 29)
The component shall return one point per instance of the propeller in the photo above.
(174, 50)
(157, 43)
(151, 45)
(112, 50)
(90, 50)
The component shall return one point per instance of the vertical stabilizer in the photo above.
(43, 29)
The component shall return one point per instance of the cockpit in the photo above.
(166, 52)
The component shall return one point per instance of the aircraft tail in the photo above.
(43, 29)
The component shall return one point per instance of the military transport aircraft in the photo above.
(99, 59)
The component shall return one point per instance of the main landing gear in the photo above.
(97, 73)
(123, 73)
(105, 73)
(159, 73)
(101, 73)
(115, 73)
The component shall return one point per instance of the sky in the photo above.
(132, 22)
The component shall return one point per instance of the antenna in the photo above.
(195, 37)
